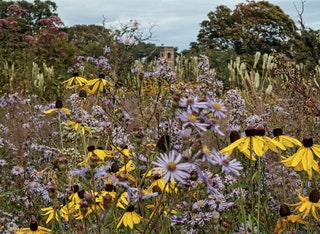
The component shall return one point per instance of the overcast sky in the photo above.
(176, 22)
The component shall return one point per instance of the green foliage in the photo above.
(251, 27)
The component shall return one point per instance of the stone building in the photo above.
(167, 52)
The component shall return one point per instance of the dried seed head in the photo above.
(114, 167)
(82, 93)
(156, 189)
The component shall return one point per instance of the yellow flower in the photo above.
(158, 182)
(303, 158)
(308, 203)
(269, 144)
(123, 172)
(34, 228)
(51, 213)
(98, 84)
(122, 200)
(78, 126)
(249, 143)
(75, 81)
(101, 154)
(58, 107)
(129, 218)
(287, 217)
(287, 141)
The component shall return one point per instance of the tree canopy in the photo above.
(250, 27)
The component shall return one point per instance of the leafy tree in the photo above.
(250, 27)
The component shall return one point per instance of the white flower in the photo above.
(218, 108)
(228, 166)
(170, 167)
(17, 170)
(192, 103)
(190, 119)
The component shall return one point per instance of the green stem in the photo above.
(259, 192)
(60, 129)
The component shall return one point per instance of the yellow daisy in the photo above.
(250, 143)
(308, 203)
(34, 228)
(75, 81)
(78, 126)
(129, 218)
(287, 141)
(99, 154)
(303, 158)
(58, 107)
(287, 217)
(98, 84)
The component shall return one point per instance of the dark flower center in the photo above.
(260, 131)
(75, 188)
(307, 142)
(114, 167)
(101, 76)
(250, 131)
(34, 226)
(277, 132)
(91, 148)
(314, 196)
(110, 188)
(58, 104)
(234, 135)
(75, 74)
(82, 93)
(130, 208)
(284, 210)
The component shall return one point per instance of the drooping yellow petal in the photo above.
(136, 218)
(50, 111)
(297, 157)
(229, 149)
(120, 221)
(316, 150)
(65, 110)
(258, 144)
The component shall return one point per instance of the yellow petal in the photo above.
(316, 149)
(232, 146)
(257, 145)
(297, 157)
(136, 218)
(120, 221)
(50, 111)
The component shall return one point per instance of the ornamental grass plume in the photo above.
(303, 159)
